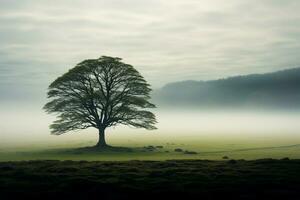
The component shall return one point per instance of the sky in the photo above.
(165, 40)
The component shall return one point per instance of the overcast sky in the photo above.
(166, 40)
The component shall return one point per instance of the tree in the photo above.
(100, 93)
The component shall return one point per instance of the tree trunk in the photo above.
(101, 142)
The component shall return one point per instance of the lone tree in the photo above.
(100, 93)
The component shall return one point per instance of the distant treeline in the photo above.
(274, 90)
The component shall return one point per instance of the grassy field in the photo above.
(176, 179)
(162, 150)
(211, 135)
(180, 168)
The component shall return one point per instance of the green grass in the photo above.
(212, 150)
(44, 170)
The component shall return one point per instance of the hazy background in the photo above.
(167, 41)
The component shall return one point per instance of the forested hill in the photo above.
(275, 90)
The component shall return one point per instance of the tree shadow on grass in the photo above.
(95, 149)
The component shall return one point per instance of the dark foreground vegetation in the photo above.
(175, 179)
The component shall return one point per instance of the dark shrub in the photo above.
(178, 150)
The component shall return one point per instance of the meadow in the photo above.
(151, 149)
(210, 135)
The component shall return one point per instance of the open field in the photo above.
(176, 179)
(160, 150)
(235, 134)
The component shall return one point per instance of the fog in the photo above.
(28, 126)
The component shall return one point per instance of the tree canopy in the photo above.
(100, 93)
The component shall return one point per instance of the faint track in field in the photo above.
(254, 149)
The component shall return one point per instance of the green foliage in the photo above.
(100, 93)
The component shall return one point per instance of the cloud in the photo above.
(167, 41)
